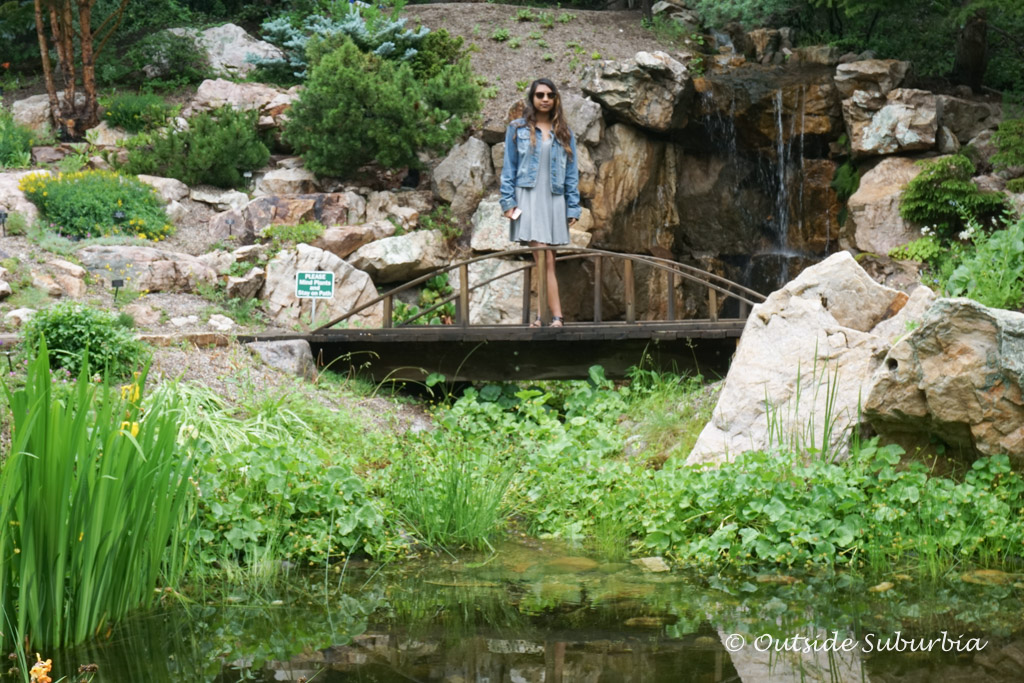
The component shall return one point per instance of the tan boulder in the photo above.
(875, 76)
(873, 221)
(652, 90)
(402, 257)
(352, 288)
(147, 268)
(905, 121)
(464, 176)
(342, 240)
(958, 376)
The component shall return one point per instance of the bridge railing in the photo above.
(716, 285)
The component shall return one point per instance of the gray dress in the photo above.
(543, 218)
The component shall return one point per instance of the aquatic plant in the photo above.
(90, 512)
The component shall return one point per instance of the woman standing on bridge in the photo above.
(540, 181)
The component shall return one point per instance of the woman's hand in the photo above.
(508, 214)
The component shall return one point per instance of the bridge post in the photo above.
(630, 292)
(388, 313)
(671, 283)
(542, 287)
(712, 305)
(597, 288)
(464, 295)
(527, 273)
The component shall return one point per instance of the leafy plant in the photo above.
(135, 113)
(434, 291)
(926, 249)
(525, 14)
(500, 35)
(993, 273)
(358, 108)
(943, 193)
(514, 43)
(98, 203)
(1009, 138)
(441, 218)
(71, 330)
(215, 149)
(15, 142)
(91, 502)
(565, 18)
(303, 233)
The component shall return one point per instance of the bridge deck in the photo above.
(505, 352)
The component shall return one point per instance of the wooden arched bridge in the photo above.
(462, 350)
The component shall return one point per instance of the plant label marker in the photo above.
(314, 284)
(116, 284)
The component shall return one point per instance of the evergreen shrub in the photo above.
(86, 204)
(159, 61)
(71, 329)
(216, 149)
(944, 196)
(1010, 141)
(357, 108)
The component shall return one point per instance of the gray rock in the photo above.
(906, 120)
(170, 189)
(19, 316)
(147, 268)
(345, 239)
(652, 90)
(875, 76)
(221, 323)
(490, 227)
(464, 176)
(293, 356)
(402, 257)
(247, 286)
(226, 48)
(287, 181)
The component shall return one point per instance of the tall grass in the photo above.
(91, 503)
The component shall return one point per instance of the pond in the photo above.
(544, 612)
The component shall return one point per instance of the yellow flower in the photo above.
(40, 670)
(134, 428)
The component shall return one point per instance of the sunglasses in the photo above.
(544, 95)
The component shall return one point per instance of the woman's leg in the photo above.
(554, 301)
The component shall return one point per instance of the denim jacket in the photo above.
(521, 166)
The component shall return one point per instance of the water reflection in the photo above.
(542, 614)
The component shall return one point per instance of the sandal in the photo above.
(537, 323)
(557, 321)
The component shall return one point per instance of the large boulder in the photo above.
(147, 268)
(652, 90)
(169, 189)
(873, 221)
(402, 257)
(905, 120)
(805, 362)
(352, 288)
(227, 48)
(959, 376)
(292, 356)
(584, 118)
(966, 119)
(34, 112)
(328, 208)
(464, 175)
(270, 102)
(489, 228)
(285, 181)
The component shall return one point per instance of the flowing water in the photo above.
(537, 612)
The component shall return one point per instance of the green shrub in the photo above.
(942, 195)
(441, 218)
(92, 496)
(357, 108)
(1016, 186)
(1009, 138)
(303, 233)
(501, 35)
(216, 149)
(15, 142)
(71, 329)
(87, 204)
(135, 113)
(170, 60)
(437, 50)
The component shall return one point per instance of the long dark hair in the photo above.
(558, 124)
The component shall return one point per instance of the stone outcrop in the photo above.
(147, 268)
(271, 103)
(342, 240)
(226, 47)
(352, 288)
(903, 121)
(966, 119)
(831, 326)
(959, 376)
(871, 76)
(489, 227)
(873, 221)
(329, 208)
(170, 189)
(651, 91)
(464, 176)
(285, 181)
(246, 286)
(499, 302)
(402, 257)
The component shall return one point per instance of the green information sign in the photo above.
(314, 284)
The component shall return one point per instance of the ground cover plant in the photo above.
(97, 203)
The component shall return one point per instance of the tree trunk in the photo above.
(44, 52)
(971, 51)
(89, 117)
